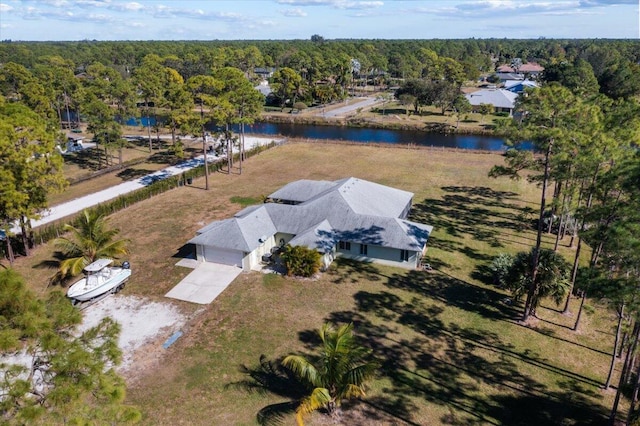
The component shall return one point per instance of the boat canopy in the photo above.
(98, 265)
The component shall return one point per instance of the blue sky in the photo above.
(300, 19)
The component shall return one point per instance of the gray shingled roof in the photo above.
(242, 232)
(351, 210)
(302, 190)
(499, 98)
(320, 237)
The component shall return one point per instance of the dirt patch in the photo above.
(145, 326)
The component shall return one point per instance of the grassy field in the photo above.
(452, 350)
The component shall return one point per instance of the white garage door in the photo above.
(226, 257)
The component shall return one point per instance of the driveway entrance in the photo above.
(204, 283)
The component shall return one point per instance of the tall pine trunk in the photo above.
(615, 347)
(204, 151)
(533, 288)
(24, 236)
(149, 127)
(623, 375)
(10, 254)
(582, 299)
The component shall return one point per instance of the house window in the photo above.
(342, 245)
(404, 255)
(363, 249)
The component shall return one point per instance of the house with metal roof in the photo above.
(501, 99)
(350, 217)
(519, 86)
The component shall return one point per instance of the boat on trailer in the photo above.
(100, 278)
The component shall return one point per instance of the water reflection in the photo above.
(365, 135)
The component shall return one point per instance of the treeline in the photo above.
(587, 163)
(318, 71)
(393, 56)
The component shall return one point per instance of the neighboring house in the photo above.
(351, 217)
(501, 99)
(508, 76)
(263, 88)
(532, 69)
(264, 73)
(519, 86)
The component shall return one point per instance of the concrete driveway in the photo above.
(204, 283)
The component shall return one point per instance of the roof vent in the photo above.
(262, 239)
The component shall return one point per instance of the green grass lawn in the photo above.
(451, 347)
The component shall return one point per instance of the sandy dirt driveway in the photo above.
(145, 327)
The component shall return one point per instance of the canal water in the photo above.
(368, 135)
(405, 137)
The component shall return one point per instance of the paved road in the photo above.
(351, 105)
(71, 207)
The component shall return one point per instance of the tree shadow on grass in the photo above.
(130, 174)
(89, 159)
(345, 271)
(162, 157)
(445, 288)
(480, 212)
(475, 372)
(270, 377)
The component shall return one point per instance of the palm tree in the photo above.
(90, 240)
(551, 280)
(341, 373)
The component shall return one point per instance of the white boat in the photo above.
(99, 279)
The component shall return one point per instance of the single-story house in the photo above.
(501, 99)
(350, 217)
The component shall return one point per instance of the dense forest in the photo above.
(318, 61)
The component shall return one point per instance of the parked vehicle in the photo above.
(100, 278)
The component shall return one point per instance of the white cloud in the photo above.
(309, 2)
(359, 5)
(128, 7)
(55, 3)
(229, 15)
(294, 13)
(4, 8)
(99, 17)
(92, 3)
(338, 4)
(493, 8)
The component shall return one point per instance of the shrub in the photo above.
(500, 269)
(301, 261)
(299, 106)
